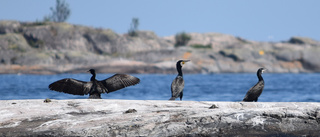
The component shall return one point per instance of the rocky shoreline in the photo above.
(157, 118)
(51, 48)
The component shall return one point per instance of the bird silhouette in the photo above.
(255, 91)
(94, 87)
(177, 84)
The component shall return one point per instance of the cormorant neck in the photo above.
(179, 70)
(259, 76)
(93, 77)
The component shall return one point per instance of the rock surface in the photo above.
(50, 48)
(157, 118)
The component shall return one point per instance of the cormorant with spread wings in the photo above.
(94, 87)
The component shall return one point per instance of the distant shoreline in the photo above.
(53, 48)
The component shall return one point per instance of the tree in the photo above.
(134, 27)
(182, 39)
(60, 13)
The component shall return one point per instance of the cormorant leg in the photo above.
(95, 96)
(181, 94)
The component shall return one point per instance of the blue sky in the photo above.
(268, 20)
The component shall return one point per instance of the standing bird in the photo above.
(256, 90)
(94, 87)
(177, 84)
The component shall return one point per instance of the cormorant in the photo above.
(255, 91)
(94, 87)
(177, 84)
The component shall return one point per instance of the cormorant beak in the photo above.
(264, 69)
(184, 61)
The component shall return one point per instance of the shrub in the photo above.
(200, 46)
(182, 39)
(60, 13)
(134, 27)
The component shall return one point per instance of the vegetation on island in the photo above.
(59, 13)
(134, 27)
(182, 39)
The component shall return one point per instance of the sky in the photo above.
(258, 20)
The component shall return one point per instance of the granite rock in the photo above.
(50, 48)
(157, 118)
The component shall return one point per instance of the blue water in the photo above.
(198, 87)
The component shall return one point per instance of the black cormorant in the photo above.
(94, 87)
(256, 90)
(177, 84)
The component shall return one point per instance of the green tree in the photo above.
(60, 13)
(134, 27)
(182, 39)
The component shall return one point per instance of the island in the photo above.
(105, 117)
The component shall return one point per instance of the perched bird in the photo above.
(256, 90)
(94, 87)
(177, 84)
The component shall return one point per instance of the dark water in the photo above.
(198, 87)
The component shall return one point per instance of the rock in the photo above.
(9, 27)
(51, 48)
(47, 100)
(214, 106)
(239, 55)
(292, 67)
(303, 41)
(310, 59)
(11, 46)
(288, 55)
(89, 117)
(130, 111)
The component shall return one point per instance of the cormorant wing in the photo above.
(177, 86)
(71, 86)
(119, 81)
(254, 92)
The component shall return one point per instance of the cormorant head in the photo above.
(92, 71)
(261, 70)
(182, 62)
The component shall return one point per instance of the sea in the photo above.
(286, 87)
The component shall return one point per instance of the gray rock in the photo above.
(288, 55)
(9, 27)
(303, 41)
(49, 48)
(311, 59)
(157, 118)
